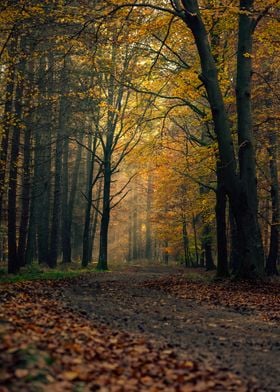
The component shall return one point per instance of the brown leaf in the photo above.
(20, 373)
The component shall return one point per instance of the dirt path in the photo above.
(225, 338)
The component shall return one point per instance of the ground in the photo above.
(141, 328)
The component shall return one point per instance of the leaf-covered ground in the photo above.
(125, 332)
(259, 298)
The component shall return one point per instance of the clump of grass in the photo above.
(38, 272)
(200, 276)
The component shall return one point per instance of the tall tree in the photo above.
(242, 188)
(13, 260)
(61, 130)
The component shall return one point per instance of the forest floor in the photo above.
(139, 329)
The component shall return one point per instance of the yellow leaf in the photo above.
(70, 375)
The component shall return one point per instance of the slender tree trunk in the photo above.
(207, 241)
(4, 150)
(271, 264)
(135, 247)
(114, 100)
(95, 220)
(148, 245)
(221, 228)
(25, 196)
(105, 219)
(6, 131)
(72, 197)
(56, 213)
(65, 232)
(86, 234)
(195, 240)
(43, 138)
(31, 234)
(130, 228)
(13, 260)
(185, 242)
(26, 182)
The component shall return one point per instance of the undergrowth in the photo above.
(37, 272)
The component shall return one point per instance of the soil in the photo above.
(224, 338)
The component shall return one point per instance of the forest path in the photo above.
(238, 340)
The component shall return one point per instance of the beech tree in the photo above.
(240, 183)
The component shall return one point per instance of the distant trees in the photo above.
(38, 190)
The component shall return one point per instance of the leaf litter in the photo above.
(46, 345)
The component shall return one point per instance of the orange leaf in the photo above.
(70, 375)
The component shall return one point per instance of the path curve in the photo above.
(225, 339)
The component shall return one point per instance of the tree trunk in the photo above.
(246, 208)
(43, 136)
(206, 241)
(271, 264)
(86, 234)
(234, 246)
(56, 213)
(221, 228)
(148, 245)
(13, 260)
(8, 109)
(6, 131)
(34, 203)
(72, 196)
(135, 246)
(130, 228)
(26, 182)
(105, 219)
(195, 239)
(65, 232)
(185, 242)
(241, 191)
(95, 220)
(25, 196)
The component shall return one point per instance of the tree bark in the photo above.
(105, 218)
(195, 239)
(185, 243)
(246, 208)
(25, 196)
(95, 220)
(235, 258)
(86, 234)
(43, 171)
(13, 260)
(241, 191)
(56, 213)
(6, 131)
(148, 245)
(72, 197)
(135, 247)
(271, 264)
(65, 226)
(221, 229)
